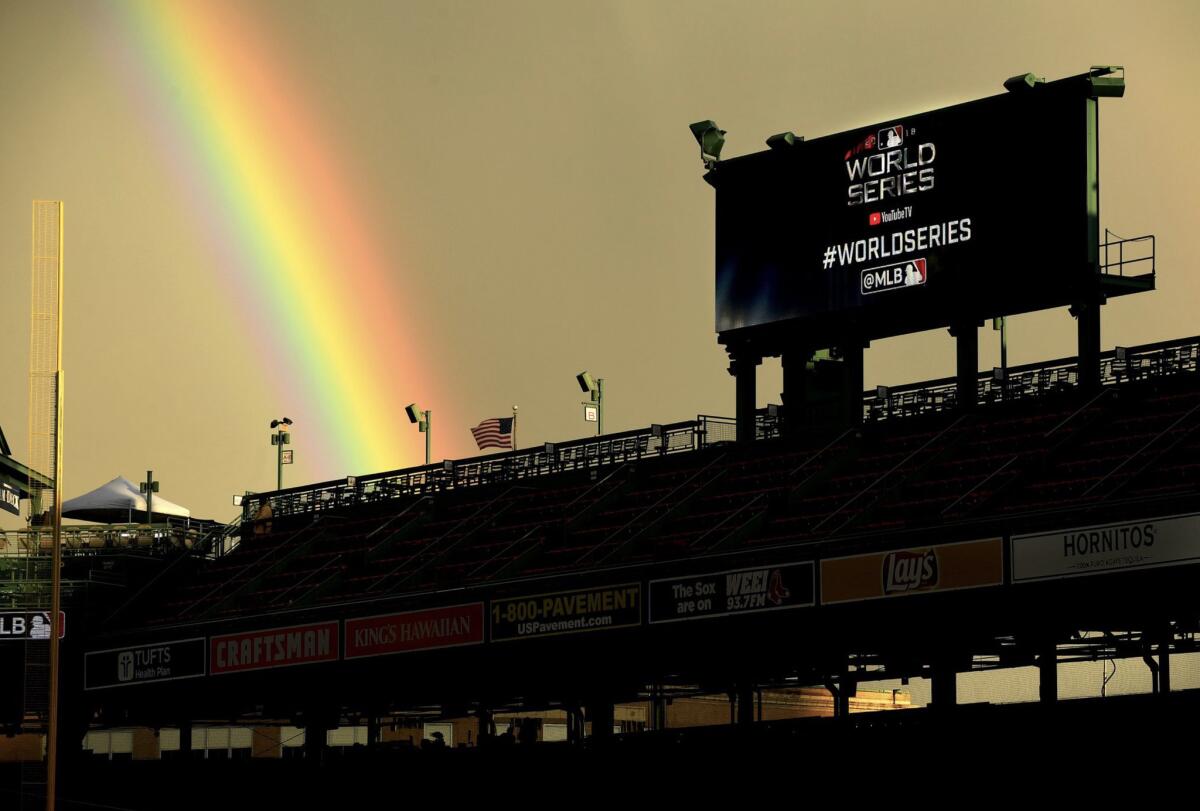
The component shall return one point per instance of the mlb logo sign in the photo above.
(893, 277)
(891, 137)
(125, 666)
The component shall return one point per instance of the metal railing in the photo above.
(1140, 250)
(456, 474)
(96, 538)
(715, 430)
(1034, 380)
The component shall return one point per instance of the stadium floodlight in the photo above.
(711, 138)
(1104, 83)
(593, 408)
(280, 438)
(1023, 81)
(784, 140)
(424, 422)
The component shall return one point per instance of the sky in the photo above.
(327, 211)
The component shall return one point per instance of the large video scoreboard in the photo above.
(981, 209)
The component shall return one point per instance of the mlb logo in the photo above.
(914, 273)
(875, 218)
(125, 666)
(891, 137)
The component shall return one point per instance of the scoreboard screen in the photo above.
(980, 209)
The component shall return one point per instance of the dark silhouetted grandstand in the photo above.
(673, 504)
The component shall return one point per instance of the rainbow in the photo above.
(289, 226)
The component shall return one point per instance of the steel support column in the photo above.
(966, 372)
(794, 361)
(600, 713)
(185, 739)
(744, 368)
(944, 686)
(745, 703)
(1087, 318)
(1047, 662)
(852, 383)
(847, 689)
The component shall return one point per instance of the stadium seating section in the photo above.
(1134, 440)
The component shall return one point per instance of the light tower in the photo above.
(424, 422)
(281, 437)
(593, 408)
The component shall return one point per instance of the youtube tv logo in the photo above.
(874, 218)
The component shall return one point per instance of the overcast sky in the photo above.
(523, 180)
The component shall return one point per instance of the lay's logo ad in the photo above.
(910, 571)
(948, 567)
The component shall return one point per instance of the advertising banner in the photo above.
(23, 626)
(274, 647)
(142, 664)
(917, 570)
(566, 612)
(1082, 551)
(10, 499)
(739, 591)
(448, 627)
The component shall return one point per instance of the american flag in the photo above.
(494, 433)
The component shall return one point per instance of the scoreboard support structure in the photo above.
(744, 368)
(1087, 317)
(966, 335)
(942, 219)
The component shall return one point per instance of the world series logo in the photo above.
(881, 166)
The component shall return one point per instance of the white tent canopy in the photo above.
(120, 502)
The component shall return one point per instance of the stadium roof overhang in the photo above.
(18, 476)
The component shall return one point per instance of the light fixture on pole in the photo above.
(424, 422)
(593, 408)
(1001, 325)
(281, 437)
(149, 487)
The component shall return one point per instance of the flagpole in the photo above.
(514, 431)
